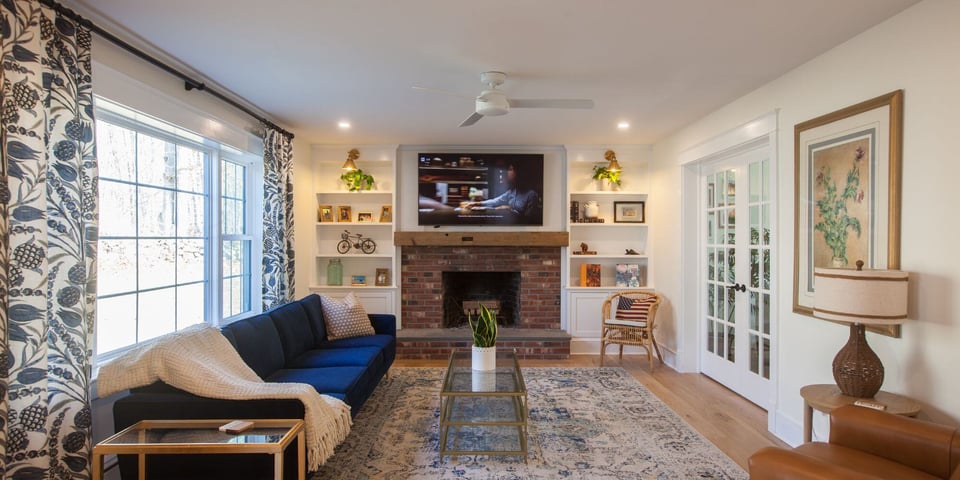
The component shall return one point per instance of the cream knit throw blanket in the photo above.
(200, 360)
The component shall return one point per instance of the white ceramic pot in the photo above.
(591, 209)
(484, 358)
(484, 381)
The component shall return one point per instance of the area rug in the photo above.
(585, 423)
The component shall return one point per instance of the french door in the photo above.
(735, 287)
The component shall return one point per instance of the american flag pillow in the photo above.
(634, 309)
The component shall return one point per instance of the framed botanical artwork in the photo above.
(365, 217)
(383, 277)
(628, 212)
(847, 173)
(344, 214)
(325, 213)
(386, 214)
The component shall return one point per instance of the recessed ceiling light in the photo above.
(623, 125)
(343, 125)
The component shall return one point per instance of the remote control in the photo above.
(870, 404)
(236, 426)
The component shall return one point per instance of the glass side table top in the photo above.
(461, 379)
(202, 432)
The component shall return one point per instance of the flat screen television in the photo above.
(480, 189)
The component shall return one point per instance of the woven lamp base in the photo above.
(856, 368)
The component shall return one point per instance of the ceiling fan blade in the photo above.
(471, 120)
(441, 91)
(550, 103)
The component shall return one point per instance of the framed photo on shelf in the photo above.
(629, 212)
(358, 280)
(365, 217)
(847, 171)
(325, 213)
(386, 214)
(344, 214)
(383, 277)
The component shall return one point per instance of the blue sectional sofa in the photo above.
(286, 344)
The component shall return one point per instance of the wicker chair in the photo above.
(635, 325)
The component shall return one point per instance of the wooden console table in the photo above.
(826, 397)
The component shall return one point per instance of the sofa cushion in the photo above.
(295, 332)
(311, 305)
(861, 462)
(379, 341)
(345, 318)
(258, 343)
(337, 357)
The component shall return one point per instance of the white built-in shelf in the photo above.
(623, 256)
(353, 287)
(360, 192)
(608, 224)
(365, 224)
(608, 192)
(610, 288)
(355, 255)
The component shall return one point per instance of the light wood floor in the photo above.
(732, 423)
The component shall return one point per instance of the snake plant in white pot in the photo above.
(484, 339)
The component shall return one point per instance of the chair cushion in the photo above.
(345, 318)
(861, 462)
(626, 323)
(337, 357)
(634, 309)
(294, 328)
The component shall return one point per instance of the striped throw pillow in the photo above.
(345, 317)
(634, 309)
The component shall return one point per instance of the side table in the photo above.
(825, 398)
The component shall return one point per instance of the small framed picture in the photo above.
(325, 213)
(386, 214)
(358, 280)
(344, 214)
(628, 212)
(365, 217)
(383, 277)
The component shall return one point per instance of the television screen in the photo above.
(480, 189)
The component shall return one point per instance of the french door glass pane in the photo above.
(710, 324)
(766, 357)
(754, 311)
(731, 349)
(754, 353)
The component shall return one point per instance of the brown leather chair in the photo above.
(867, 444)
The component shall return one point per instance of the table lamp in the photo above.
(859, 297)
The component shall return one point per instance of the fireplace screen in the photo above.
(463, 292)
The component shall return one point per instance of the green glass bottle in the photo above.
(335, 272)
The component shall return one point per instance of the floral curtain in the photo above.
(278, 274)
(48, 240)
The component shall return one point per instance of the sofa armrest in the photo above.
(773, 463)
(920, 445)
(384, 323)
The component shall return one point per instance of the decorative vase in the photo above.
(484, 358)
(335, 272)
(591, 209)
(838, 262)
(604, 184)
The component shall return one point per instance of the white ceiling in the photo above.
(658, 64)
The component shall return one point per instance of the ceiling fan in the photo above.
(493, 102)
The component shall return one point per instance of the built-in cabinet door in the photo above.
(735, 289)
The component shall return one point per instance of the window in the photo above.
(176, 232)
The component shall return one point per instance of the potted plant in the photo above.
(484, 339)
(357, 180)
(605, 176)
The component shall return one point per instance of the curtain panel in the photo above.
(278, 255)
(48, 227)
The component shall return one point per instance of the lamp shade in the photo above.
(871, 297)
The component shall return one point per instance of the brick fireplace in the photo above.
(536, 332)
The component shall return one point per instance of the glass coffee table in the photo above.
(483, 413)
(150, 437)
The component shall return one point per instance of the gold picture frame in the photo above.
(847, 174)
(325, 213)
(344, 214)
(383, 277)
(386, 214)
(365, 217)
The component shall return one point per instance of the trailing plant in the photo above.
(357, 180)
(485, 328)
(601, 172)
(835, 223)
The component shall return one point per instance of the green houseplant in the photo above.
(357, 180)
(601, 173)
(484, 330)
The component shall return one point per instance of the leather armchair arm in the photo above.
(773, 463)
(920, 445)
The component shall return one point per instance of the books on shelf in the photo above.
(628, 275)
(590, 275)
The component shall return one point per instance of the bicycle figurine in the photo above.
(365, 245)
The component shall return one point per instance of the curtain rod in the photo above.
(188, 83)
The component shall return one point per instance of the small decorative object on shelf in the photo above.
(590, 275)
(348, 241)
(344, 214)
(358, 280)
(355, 178)
(325, 213)
(386, 214)
(334, 272)
(631, 251)
(365, 217)
(484, 331)
(574, 211)
(628, 275)
(583, 250)
(383, 277)
(591, 210)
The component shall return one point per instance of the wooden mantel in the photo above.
(481, 239)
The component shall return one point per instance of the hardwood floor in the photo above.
(732, 423)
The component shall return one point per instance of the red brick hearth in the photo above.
(537, 333)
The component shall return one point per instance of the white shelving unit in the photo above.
(379, 161)
(609, 239)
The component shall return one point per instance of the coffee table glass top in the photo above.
(198, 432)
(461, 379)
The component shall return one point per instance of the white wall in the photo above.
(915, 51)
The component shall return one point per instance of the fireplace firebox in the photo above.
(463, 291)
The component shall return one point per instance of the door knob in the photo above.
(740, 286)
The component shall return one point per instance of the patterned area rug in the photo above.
(585, 423)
